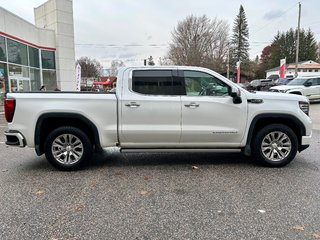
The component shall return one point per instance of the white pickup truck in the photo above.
(160, 109)
(308, 86)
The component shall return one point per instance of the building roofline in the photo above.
(26, 21)
(26, 42)
(29, 23)
(287, 64)
(17, 16)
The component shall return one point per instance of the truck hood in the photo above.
(276, 96)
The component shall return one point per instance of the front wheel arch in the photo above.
(262, 120)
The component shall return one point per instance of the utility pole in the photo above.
(298, 39)
(228, 62)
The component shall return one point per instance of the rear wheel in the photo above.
(67, 148)
(275, 145)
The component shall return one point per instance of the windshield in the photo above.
(255, 82)
(297, 81)
(282, 80)
(266, 81)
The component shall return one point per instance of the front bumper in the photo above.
(305, 142)
(15, 138)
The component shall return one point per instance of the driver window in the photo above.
(203, 84)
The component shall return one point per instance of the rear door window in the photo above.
(157, 82)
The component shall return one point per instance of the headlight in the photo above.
(304, 106)
(283, 91)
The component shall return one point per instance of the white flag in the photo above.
(78, 77)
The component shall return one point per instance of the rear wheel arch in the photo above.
(48, 122)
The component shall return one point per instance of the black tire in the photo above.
(67, 148)
(275, 145)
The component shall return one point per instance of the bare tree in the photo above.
(200, 41)
(165, 61)
(89, 67)
(115, 65)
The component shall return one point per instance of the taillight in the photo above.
(9, 107)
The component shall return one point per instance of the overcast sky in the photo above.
(131, 30)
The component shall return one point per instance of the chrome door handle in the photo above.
(192, 105)
(132, 105)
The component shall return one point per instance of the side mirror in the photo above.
(236, 95)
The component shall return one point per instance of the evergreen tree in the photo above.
(309, 48)
(240, 39)
(284, 46)
(318, 52)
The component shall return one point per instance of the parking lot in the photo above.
(216, 195)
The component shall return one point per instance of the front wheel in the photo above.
(275, 145)
(67, 148)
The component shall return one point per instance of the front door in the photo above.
(209, 116)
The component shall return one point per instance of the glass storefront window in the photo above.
(35, 79)
(18, 71)
(48, 59)
(49, 79)
(34, 57)
(3, 81)
(24, 85)
(3, 55)
(14, 85)
(19, 78)
(20, 67)
(17, 52)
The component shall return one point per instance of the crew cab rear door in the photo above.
(210, 118)
(150, 109)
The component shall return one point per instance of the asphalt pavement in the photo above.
(219, 195)
(315, 115)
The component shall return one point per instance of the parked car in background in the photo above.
(283, 81)
(260, 85)
(273, 77)
(305, 86)
(242, 85)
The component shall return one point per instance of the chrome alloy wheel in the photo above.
(276, 146)
(67, 149)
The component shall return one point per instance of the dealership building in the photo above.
(32, 55)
